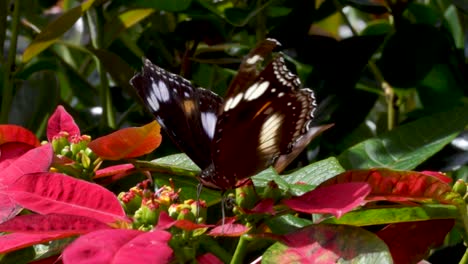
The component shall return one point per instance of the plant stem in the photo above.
(241, 250)
(95, 25)
(464, 259)
(261, 27)
(212, 246)
(392, 108)
(7, 78)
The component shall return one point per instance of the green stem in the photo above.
(212, 246)
(7, 95)
(94, 19)
(241, 250)
(464, 259)
(261, 26)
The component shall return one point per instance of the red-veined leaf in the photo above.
(52, 223)
(324, 243)
(114, 170)
(265, 206)
(229, 229)
(399, 186)
(8, 208)
(411, 241)
(128, 142)
(335, 199)
(165, 222)
(10, 151)
(120, 246)
(15, 241)
(438, 175)
(14, 133)
(47, 193)
(35, 160)
(61, 121)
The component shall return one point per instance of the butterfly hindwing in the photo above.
(188, 114)
(261, 122)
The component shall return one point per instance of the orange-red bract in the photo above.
(128, 142)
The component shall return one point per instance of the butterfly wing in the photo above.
(248, 70)
(259, 124)
(186, 113)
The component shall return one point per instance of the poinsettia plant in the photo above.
(55, 204)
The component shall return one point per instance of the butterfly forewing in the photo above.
(188, 114)
(260, 123)
(248, 70)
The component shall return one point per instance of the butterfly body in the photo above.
(265, 119)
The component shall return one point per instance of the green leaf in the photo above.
(302, 180)
(330, 244)
(286, 224)
(440, 89)
(181, 169)
(409, 145)
(316, 173)
(453, 20)
(54, 30)
(119, 69)
(377, 27)
(382, 216)
(124, 21)
(178, 162)
(368, 6)
(166, 5)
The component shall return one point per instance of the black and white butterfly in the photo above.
(264, 120)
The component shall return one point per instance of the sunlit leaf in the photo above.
(54, 30)
(398, 214)
(47, 193)
(35, 160)
(400, 186)
(124, 21)
(335, 199)
(52, 223)
(409, 145)
(128, 142)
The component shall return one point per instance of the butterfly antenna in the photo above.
(199, 189)
(223, 209)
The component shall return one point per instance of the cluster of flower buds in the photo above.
(145, 205)
(461, 187)
(74, 156)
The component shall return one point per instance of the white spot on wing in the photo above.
(160, 91)
(254, 59)
(268, 140)
(152, 100)
(209, 123)
(233, 102)
(256, 90)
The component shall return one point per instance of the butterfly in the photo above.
(264, 119)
